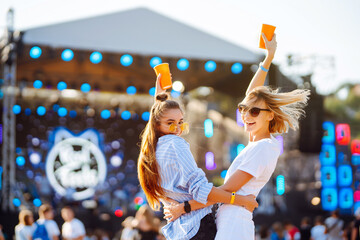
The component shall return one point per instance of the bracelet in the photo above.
(232, 198)
(262, 67)
(187, 207)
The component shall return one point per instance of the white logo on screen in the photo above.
(75, 165)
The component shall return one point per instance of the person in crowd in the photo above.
(334, 226)
(355, 233)
(146, 223)
(278, 231)
(73, 228)
(46, 217)
(305, 229)
(292, 232)
(318, 231)
(25, 229)
(128, 232)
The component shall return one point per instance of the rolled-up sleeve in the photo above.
(192, 178)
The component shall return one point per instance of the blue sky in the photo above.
(322, 33)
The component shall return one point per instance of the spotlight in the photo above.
(20, 161)
(67, 55)
(239, 148)
(145, 116)
(41, 111)
(95, 57)
(61, 86)
(85, 87)
(16, 109)
(208, 128)
(183, 64)
(178, 86)
(155, 61)
(236, 68)
(38, 84)
(105, 114)
(210, 161)
(210, 66)
(116, 161)
(126, 60)
(126, 115)
(131, 90)
(152, 91)
(16, 202)
(72, 113)
(35, 52)
(37, 202)
(62, 112)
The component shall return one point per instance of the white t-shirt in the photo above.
(51, 227)
(318, 232)
(73, 229)
(258, 159)
(23, 232)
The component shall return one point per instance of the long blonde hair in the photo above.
(148, 171)
(287, 107)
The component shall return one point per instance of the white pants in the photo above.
(234, 222)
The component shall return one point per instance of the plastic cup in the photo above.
(165, 80)
(268, 30)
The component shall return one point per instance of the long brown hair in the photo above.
(148, 170)
(287, 107)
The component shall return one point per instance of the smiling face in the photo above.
(256, 125)
(171, 117)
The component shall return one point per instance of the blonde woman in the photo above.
(25, 229)
(264, 112)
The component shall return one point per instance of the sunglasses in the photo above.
(254, 112)
(183, 126)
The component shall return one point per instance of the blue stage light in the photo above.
(95, 57)
(38, 84)
(223, 174)
(67, 55)
(85, 87)
(62, 112)
(18, 150)
(131, 90)
(126, 60)
(61, 86)
(329, 133)
(328, 155)
(145, 116)
(344, 175)
(72, 113)
(16, 109)
(56, 107)
(210, 66)
(41, 111)
(20, 161)
(35, 52)
(237, 68)
(37, 202)
(126, 115)
(183, 64)
(280, 185)
(346, 199)
(328, 176)
(208, 128)
(329, 199)
(155, 61)
(239, 148)
(175, 94)
(105, 114)
(16, 202)
(152, 91)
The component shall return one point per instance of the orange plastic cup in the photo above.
(268, 30)
(165, 80)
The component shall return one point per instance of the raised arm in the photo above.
(158, 88)
(260, 75)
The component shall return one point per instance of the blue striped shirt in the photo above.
(182, 181)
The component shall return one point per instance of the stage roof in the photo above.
(138, 31)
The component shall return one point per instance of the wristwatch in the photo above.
(187, 207)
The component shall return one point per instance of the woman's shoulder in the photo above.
(172, 139)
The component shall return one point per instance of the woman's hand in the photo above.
(249, 202)
(158, 86)
(173, 211)
(270, 45)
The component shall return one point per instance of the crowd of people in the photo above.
(146, 226)
(331, 228)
